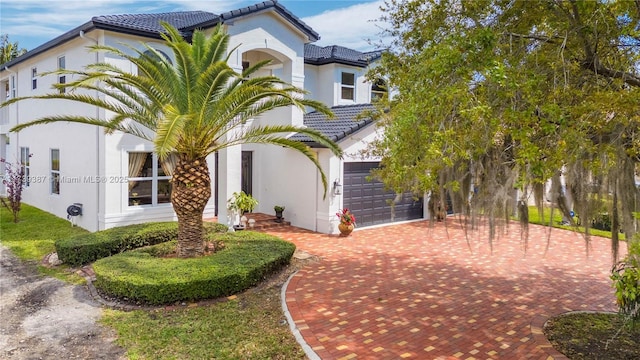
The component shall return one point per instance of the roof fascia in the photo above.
(66, 37)
(309, 33)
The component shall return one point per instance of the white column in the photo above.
(229, 175)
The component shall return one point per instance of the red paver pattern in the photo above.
(422, 291)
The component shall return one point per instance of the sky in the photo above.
(350, 23)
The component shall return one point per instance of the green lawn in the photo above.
(535, 218)
(34, 236)
(249, 326)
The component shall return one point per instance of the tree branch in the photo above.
(547, 39)
(593, 64)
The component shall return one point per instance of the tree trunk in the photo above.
(191, 190)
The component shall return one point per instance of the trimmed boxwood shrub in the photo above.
(248, 257)
(86, 248)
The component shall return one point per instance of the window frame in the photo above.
(25, 165)
(62, 79)
(155, 178)
(13, 87)
(34, 78)
(54, 187)
(151, 54)
(378, 89)
(345, 86)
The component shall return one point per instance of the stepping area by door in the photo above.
(418, 291)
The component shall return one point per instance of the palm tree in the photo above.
(9, 50)
(194, 108)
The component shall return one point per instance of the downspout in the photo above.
(6, 68)
(316, 195)
(98, 183)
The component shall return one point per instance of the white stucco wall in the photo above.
(94, 166)
(324, 84)
(78, 144)
(290, 179)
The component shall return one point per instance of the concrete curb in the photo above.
(292, 325)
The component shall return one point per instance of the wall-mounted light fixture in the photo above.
(337, 187)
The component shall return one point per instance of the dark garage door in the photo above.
(368, 200)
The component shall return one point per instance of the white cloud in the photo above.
(351, 26)
(33, 22)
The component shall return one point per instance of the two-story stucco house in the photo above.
(119, 180)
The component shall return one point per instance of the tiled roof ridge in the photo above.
(318, 55)
(152, 14)
(346, 122)
(184, 21)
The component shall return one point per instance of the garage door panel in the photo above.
(370, 202)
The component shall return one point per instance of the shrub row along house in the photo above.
(116, 179)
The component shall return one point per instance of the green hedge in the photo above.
(86, 248)
(247, 258)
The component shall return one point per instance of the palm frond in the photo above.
(195, 104)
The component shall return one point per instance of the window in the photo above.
(24, 164)
(378, 89)
(154, 56)
(149, 178)
(34, 78)
(348, 86)
(14, 91)
(62, 79)
(55, 171)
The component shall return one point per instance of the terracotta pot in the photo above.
(345, 229)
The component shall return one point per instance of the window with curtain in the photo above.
(149, 178)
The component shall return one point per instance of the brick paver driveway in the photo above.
(422, 292)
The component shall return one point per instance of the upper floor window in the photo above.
(149, 178)
(14, 90)
(154, 56)
(348, 86)
(25, 165)
(62, 79)
(55, 171)
(34, 78)
(378, 89)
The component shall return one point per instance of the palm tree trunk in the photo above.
(191, 190)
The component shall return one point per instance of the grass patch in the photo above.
(248, 257)
(535, 218)
(591, 336)
(250, 326)
(34, 236)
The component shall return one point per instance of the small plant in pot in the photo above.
(239, 204)
(278, 209)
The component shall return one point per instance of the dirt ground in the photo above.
(45, 318)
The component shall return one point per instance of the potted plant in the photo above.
(278, 209)
(347, 222)
(241, 203)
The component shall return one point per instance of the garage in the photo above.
(369, 201)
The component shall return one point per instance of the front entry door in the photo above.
(247, 172)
